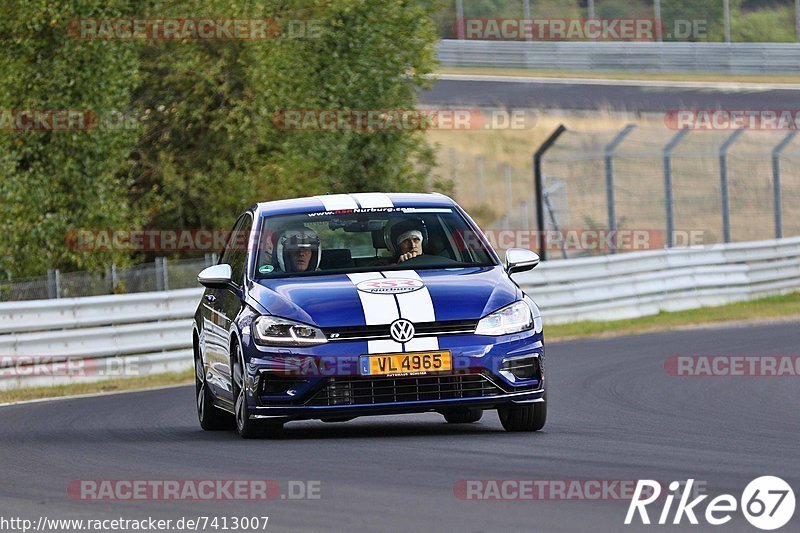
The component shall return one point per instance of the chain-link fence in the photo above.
(638, 188)
(161, 275)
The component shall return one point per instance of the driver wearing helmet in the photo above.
(299, 250)
(408, 238)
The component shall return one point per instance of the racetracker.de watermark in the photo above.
(66, 120)
(733, 119)
(193, 489)
(161, 240)
(211, 29)
(577, 29)
(70, 366)
(733, 366)
(421, 119)
(590, 240)
(545, 489)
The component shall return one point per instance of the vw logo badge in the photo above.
(402, 330)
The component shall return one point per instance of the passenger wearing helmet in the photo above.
(299, 250)
(408, 238)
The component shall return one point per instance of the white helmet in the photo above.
(298, 238)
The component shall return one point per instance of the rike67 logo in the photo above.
(767, 502)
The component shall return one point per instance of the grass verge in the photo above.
(111, 385)
(762, 309)
(616, 75)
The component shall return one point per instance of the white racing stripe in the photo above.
(378, 309)
(373, 199)
(381, 309)
(337, 202)
(416, 306)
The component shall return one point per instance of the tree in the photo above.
(211, 146)
(55, 182)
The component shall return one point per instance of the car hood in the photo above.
(334, 300)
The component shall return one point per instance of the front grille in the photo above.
(355, 391)
(449, 327)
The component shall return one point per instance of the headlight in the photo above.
(510, 319)
(274, 330)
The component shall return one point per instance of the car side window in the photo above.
(238, 258)
(235, 253)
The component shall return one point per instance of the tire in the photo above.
(530, 417)
(245, 426)
(463, 416)
(210, 417)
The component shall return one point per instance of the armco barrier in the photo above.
(152, 331)
(745, 58)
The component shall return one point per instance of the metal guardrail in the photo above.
(645, 283)
(101, 337)
(739, 58)
(151, 332)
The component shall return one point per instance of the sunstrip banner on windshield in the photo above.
(350, 202)
(383, 309)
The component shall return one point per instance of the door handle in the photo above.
(211, 297)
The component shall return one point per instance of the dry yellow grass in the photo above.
(577, 159)
(612, 75)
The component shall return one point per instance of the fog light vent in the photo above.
(524, 368)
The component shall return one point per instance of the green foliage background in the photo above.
(200, 143)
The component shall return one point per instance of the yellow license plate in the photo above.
(412, 363)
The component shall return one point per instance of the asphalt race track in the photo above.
(616, 96)
(614, 414)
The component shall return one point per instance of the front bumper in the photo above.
(323, 382)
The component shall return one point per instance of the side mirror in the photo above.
(520, 260)
(216, 277)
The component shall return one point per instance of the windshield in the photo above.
(387, 239)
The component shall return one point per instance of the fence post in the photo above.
(526, 14)
(526, 215)
(509, 195)
(161, 275)
(723, 177)
(114, 277)
(776, 182)
(538, 186)
(54, 284)
(609, 160)
(165, 273)
(453, 164)
(460, 19)
(668, 199)
(659, 26)
(479, 164)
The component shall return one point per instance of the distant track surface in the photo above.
(609, 95)
(614, 414)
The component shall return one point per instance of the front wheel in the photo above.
(247, 427)
(211, 418)
(531, 417)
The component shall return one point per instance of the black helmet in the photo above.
(402, 227)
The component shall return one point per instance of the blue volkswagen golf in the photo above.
(346, 305)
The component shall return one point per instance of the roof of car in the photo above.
(344, 202)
